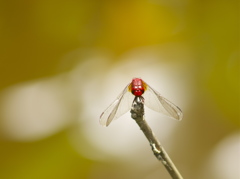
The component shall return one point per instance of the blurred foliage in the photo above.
(35, 36)
(50, 158)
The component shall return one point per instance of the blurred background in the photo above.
(63, 62)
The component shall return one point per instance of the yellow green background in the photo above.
(36, 38)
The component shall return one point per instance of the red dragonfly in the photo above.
(152, 99)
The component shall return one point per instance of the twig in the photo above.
(137, 112)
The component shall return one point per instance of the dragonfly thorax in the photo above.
(137, 92)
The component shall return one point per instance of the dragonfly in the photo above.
(152, 99)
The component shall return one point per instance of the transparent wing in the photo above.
(157, 102)
(119, 107)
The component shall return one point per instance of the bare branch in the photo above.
(137, 112)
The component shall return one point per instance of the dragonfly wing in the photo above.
(157, 102)
(119, 107)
